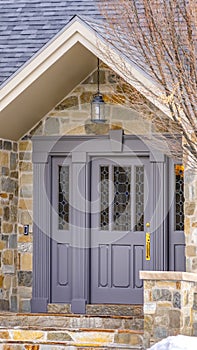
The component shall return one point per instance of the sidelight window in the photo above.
(63, 199)
(139, 198)
(179, 197)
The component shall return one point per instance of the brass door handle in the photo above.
(147, 246)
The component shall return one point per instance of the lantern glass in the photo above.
(98, 109)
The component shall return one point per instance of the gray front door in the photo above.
(120, 202)
(120, 210)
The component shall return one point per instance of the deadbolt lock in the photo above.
(148, 224)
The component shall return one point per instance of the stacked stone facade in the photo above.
(191, 220)
(25, 217)
(8, 224)
(169, 304)
(72, 116)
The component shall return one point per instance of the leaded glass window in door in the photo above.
(179, 197)
(104, 200)
(121, 198)
(139, 198)
(122, 203)
(63, 197)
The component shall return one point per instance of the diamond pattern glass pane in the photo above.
(122, 205)
(104, 200)
(179, 197)
(63, 200)
(139, 198)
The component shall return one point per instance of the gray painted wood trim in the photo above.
(158, 174)
(116, 139)
(79, 157)
(41, 239)
(79, 237)
(40, 157)
(133, 145)
(156, 156)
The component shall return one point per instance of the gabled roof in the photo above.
(39, 67)
(27, 25)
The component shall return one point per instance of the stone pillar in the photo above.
(170, 304)
(191, 220)
(24, 242)
(8, 224)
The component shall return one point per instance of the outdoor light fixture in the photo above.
(98, 104)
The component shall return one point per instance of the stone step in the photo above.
(63, 321)
(90, 339)
(68, 331)
(51, 346)
(100, 309)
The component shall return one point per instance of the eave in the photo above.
(55, 71)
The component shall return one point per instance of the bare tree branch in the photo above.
(160, 37)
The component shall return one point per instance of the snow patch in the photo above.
(179, 342)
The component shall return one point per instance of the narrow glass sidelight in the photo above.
(139, 198)
(63, 197)
(104, 199)
(179, 197)
(122, 198)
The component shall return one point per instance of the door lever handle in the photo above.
(147, 246)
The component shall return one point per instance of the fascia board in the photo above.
(77, 31)
(39, 65)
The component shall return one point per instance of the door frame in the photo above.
(81, 149)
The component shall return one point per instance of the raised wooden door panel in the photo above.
(61, 240)
(120, 208)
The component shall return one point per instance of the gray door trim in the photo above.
(159, 218)
(80, 252)
(81, 148)
(41, 240)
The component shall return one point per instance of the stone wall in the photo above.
(24, 242)
(8, 224)
(169, 304)
(191, 220)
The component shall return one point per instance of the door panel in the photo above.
(61, 247)
(120, 207)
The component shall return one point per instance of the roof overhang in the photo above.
(54, 71)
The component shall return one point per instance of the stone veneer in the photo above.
(70, 332)
(170, 304)
(71, 116)
(8, 224)
(190, 192)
